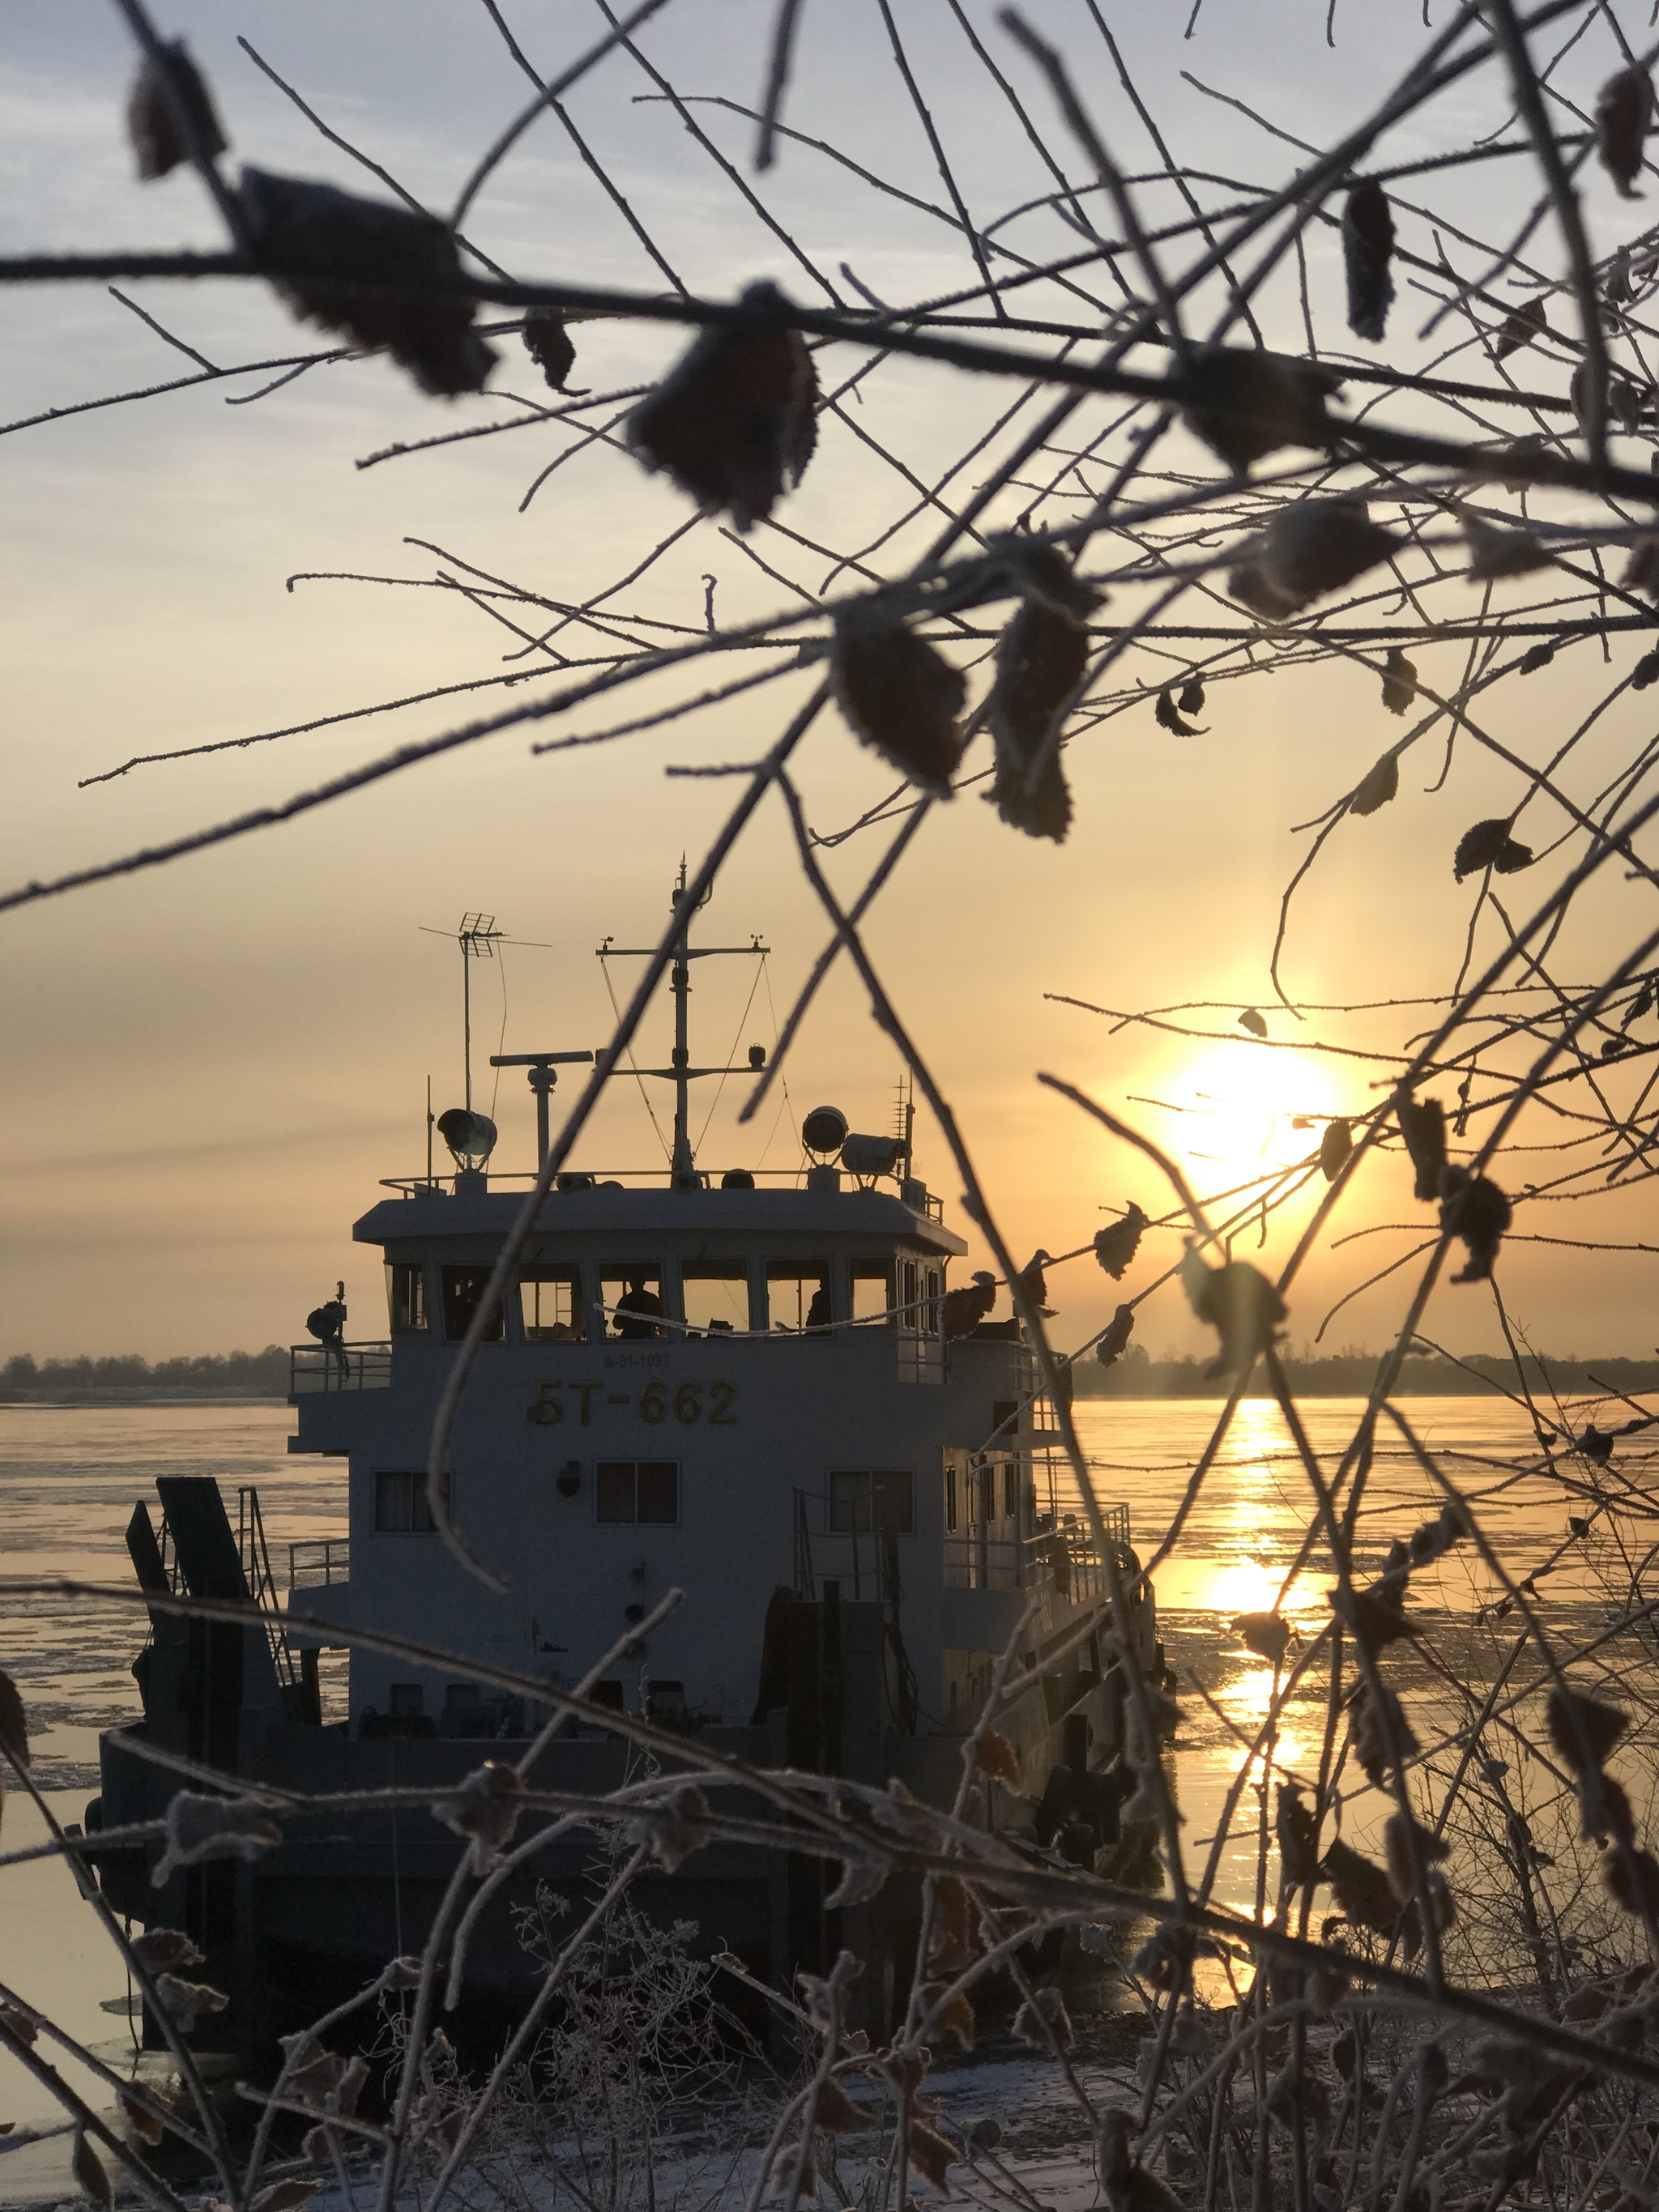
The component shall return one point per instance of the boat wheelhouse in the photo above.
(745, 1389)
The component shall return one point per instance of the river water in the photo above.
(70, 1475)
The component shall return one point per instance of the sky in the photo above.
(209, 1067)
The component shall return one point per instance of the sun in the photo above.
(1248, 1109)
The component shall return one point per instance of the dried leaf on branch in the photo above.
(899, 694)
(1489, 845)
(14, 1723)
(1334, 1147)
(1520, 327)
(1475, 1209)
(1623, 112)
(1363, 1892)
(1367, 251)
(1267, 1634)
(1373, 1620)
(1239, 1304)
(1381, 784)
(90, 2171)
(834, 2109)
(547, 342)
(1399, 682)
(1423, 1125)
(998, 1757)
(161, 1948)
(1626, 402)
(1169, 717)
(1245, 402)
(1495, 554)
(1582, 1730)
(1041, 661)
(145, 2124)
(1382, 1736)
(340, 260)
(1249, 1019)
(1115, 1342)
(200, 1828)
(171, 117)
(1191, 701)
(1297, 1832)
(1116, 1244)
(1632, 1879)
(931, 2155)
(484, 1809)
(1641, 569)
(733, 423)
(674, 1829)
(1307, 551)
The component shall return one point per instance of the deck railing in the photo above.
(1065, 1558)
(317, 1561)
(314, 1367)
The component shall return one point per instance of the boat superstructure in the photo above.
(742, 1387)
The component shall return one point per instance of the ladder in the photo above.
(255, 1554)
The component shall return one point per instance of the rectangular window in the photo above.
(400, 1506)
(643, 1491)
(798, 1294)
(872, 1292)
(909, 1297)
(632, 1298)
(716, 1297)
(405, 1291)
(464, 1289)
(550, 1305)
(883, 1498)
(951, 1500)
(1011, 1490)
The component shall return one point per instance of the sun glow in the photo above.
(1237, 1109)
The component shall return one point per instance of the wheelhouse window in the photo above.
(643, 1491)
(632, 1299)
(798, 1296)
(400, 1506)
(920, 1285)
(405, 1291)
(872, 1284)
(882, 1498)
(464, 1290)
(551, 1309)
(716, 1293)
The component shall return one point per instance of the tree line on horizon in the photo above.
(262, 1374)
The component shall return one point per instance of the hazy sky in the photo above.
(207, 1067)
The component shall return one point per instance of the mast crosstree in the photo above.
(682, 1074)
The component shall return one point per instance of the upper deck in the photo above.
(832, 1210)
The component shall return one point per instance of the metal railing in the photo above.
(1063, 1558)
(316, 1562)
(315, 1367)
(626, 1178)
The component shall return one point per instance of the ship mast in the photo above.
(684, 1167)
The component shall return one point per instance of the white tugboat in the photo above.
(749, 1388)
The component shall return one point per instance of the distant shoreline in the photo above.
(65, 1400)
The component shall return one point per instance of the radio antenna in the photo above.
(478, 938)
